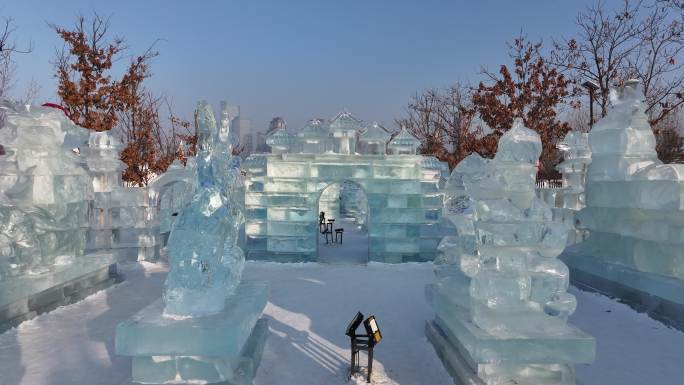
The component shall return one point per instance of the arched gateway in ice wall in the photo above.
(404, 190)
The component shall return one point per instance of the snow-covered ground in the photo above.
(309, 307)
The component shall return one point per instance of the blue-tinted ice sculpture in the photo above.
(207, 328)
(500, 298)
(634, 213)
(45, 196)
(44, 191)
(206, 263)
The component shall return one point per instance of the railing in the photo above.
(549, 183)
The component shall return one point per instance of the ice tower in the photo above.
(500, 299)
(206, 329)
(634, 213)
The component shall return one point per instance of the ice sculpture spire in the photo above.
(206, 262)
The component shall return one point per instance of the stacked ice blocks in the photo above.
(500, 299)
(404, 194)
(45, 197)
(223, 348)
(635, 215)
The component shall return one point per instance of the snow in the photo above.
(309, 308)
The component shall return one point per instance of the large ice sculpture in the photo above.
(206, 263)
(502, 307)
(635, 215)
(45, 193)
(344, 169)
(207, 328)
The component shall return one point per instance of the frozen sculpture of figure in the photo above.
(207, 328)
(500, 299)
(45, 192)
(206, 263)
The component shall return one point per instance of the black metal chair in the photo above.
(327, 233)
(339, 232)
(321, 222)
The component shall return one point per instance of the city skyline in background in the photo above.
(298, 60)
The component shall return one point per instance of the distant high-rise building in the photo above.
(241, 128)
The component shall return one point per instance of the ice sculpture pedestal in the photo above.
(24, 297)
(223, 348)
(470, 353)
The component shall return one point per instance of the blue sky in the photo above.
(299, 59)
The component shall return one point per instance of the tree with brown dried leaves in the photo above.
(150, 149)
(91, 98)
(532, 90)
(94, 100)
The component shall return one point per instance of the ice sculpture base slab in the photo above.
(239, 370)
(659, 296)
(24, 297)
(465, 371)
(223, 348)
(565, 344)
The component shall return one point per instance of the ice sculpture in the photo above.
(45, 193)
(502, 307)
(374, 139)
(576, 160)
(635, 214)
(206, 263)
(341, 162)
(403, 143)
(315, 137)
(206, 329)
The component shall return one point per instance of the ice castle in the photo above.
(403, 190)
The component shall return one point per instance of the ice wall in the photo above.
(404, 194)
(123, 220)
(501, 296)
(635, 214)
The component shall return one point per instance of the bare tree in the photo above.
(443, 121)
(658, 63)
(424, 121)
(8, 48)
(643, 41)
(600, 52)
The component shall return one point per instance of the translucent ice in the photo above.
(44, 190)
(622, 143)
(205, 261)
(501, 293)
(634, 210)
(342, 167)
